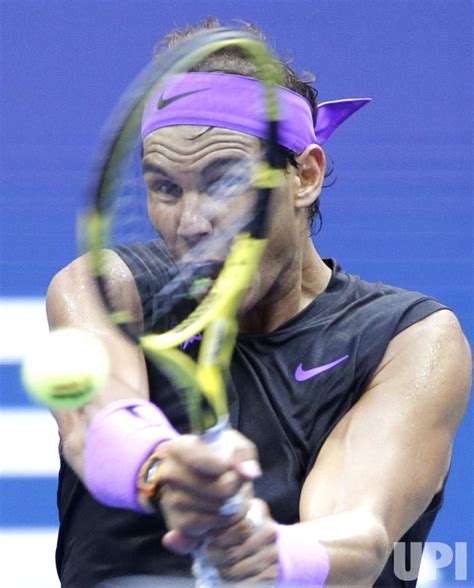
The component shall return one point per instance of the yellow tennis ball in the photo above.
(67, 369)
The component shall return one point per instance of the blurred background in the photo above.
(401, 210)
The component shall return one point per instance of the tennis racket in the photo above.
(196, 294)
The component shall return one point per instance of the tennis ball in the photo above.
(66, 370)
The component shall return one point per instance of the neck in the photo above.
(296, 287)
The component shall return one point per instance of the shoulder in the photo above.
(380, 311)
(432, 359)
(373, 298)
(77, 274)
(149, 258)
(439, 334)
(72, 296)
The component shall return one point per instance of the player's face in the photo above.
(199, 191)
(198, 182)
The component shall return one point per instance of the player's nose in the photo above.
(195, 220)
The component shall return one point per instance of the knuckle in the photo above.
(172, 500)
(172, 474)
(166, 469)
(228, 485)
(171, 448)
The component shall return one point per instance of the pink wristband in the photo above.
(120, 438)
(303, 561)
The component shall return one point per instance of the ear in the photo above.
(311, 170)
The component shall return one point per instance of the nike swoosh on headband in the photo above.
(164, 102)
(301, 375)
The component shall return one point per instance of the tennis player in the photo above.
(345, 395)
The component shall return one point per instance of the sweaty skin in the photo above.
(355, 499)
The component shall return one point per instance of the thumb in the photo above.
(179, 543)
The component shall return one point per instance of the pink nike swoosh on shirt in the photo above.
(302, 375)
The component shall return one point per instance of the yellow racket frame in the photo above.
(215, 317)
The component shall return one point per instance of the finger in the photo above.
(267, 578)
(222, 539)
(255, 518)
(261, 563)
(179, 543)
(191, 452)
(176, 500)
(173, 499)
(217, 488)
(242, 453)
(194, 523)
(255, 542)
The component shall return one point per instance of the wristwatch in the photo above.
(148, 484)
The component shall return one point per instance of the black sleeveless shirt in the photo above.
(288, 390)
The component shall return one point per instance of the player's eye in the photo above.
(228, 185)
(167, 188)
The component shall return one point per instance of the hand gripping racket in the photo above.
(202, 298)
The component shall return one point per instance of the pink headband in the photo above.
(232, 102)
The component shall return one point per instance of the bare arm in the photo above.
(72, 301)
(387, 458)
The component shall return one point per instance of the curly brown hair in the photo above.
(233, 60)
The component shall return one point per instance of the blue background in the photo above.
(401, 210)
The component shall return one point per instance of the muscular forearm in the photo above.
(72, 302)
(73, 425)
(345, 549)
(357, 544)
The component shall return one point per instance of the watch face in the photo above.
(148, 485)
(151, 471)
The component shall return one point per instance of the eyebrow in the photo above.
(218, 164)
(150, 167)
(214, 166)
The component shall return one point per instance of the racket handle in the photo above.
(205, 573)
(214, 438)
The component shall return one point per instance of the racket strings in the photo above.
(183, 291)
